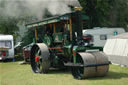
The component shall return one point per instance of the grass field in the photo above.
(11, 73)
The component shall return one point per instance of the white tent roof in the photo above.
(121, 36)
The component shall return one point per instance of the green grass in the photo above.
(11, 73)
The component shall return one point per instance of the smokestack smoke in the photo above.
(35, 8)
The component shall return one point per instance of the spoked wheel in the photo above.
(39, 59)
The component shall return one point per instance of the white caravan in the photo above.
(100, 35)
(6, 47)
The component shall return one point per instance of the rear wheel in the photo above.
(40, 58)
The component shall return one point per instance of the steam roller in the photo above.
(61, 44)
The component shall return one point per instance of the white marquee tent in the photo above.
(117, 49)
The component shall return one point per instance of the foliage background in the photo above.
(102, 13)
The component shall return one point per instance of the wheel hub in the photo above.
(37, 58)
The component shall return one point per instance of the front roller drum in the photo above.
(96, 64)
(39, 58)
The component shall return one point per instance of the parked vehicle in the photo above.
(63, 45)
(100, 35)
(6, 47)
(26, 52)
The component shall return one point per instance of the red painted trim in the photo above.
(73, 53)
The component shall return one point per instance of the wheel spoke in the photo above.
(38, 60)
(79, 71)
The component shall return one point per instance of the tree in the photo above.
(8, 25)
(109, 13)
(121, 8)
